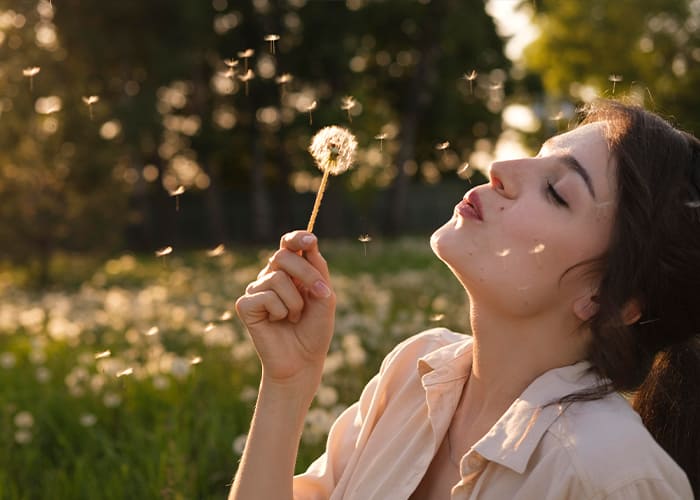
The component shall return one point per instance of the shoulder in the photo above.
(608, 447)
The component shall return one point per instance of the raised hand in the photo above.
(289, 312)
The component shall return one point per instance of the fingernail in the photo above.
(308, 239)
(321, 289)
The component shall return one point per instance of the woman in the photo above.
(581, 267)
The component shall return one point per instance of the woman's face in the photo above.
(537, 218)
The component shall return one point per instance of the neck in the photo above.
(509, 353)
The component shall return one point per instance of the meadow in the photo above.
(133, 378)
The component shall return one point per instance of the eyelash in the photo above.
(555, 196)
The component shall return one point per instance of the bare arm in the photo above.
(289, 312)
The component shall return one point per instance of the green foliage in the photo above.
(173, 428)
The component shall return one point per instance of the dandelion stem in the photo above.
(319, 197)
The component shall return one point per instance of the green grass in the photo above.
(168, 429)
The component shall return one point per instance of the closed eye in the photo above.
(554, 195)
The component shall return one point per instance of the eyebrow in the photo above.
(574, 165)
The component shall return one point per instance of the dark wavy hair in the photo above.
(653, 260)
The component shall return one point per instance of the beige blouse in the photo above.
(380, 447)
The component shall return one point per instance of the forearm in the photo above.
(267, 465)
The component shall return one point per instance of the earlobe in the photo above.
(585, 307)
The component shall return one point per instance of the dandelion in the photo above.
(162, 252)
(216, 251)
(8, 360)
(470, 77)
(380, 138)
(43, 374)
(125, 373)
(30, 73)
(309, 109)
(347, 104)
(89, 101)
(152, 331)
(88, 419)
(365, 238)
(333, 149)
(176, 193)
(111, 399)
(245, 55)
(272, 38)
(283, 79)
(614, 79)
(23, 436)
(246, 77)
(24, 420)
(103, 354)
(196, 360)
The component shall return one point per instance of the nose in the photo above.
(506, 177)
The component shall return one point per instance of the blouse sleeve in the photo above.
(319, 480)
(651, 489)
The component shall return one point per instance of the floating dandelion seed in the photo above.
(152, 331)
(226, 315)
(125, 373)
(216, 251)
(283, 79)
(347, 104)
(229, 73)
(196, 360)
(272, 38)
(103, 354)
(539, 248)
(210, 326)
(30, 73)
(176, 193)
(462, 171)
(615, 79)
(231, 63)
(365, 238)
(470, 77)
(247, 77)
(245, 55)
(89, 101)
(88, 419)
(380, 138)
(162, 252)
(442, 146)
(437, 317)
(504, 252)
(309, 109)
(333, 149)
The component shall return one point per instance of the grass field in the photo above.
(136, 380)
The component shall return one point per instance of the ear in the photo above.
(585, 307)
(631, 312)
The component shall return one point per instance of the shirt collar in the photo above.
(515, 436)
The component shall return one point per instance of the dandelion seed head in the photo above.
(125, 373)
(247, 76)
(333, 148)
(91, 99)
(164, 251)
(180, 190)
(31, 71)
(245, 54)
(103, 354)
(442, 146)
(23, 436)
(348, 102)
(111, 399)
(284, 78)
(216, 251)
(24, 420)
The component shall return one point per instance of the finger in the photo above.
(307, 242)
(261, 306)
(281, 283)
(303, 271)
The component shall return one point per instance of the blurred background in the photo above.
(152, 152)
